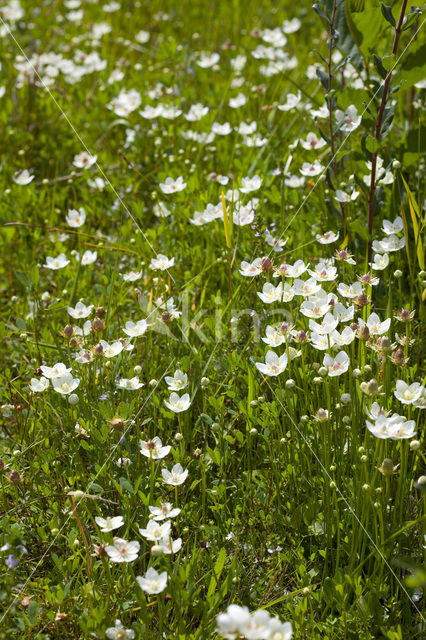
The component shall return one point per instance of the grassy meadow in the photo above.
(212, 331)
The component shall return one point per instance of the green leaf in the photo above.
(413, 68)
(379, 66)
(387, 14)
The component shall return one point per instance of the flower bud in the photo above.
(414, 445)
(14, 477)
(178, 437)
(345, 398)
(137, 370)
(73, 399)
(68, 331)
(357, 373)
(253, 432)
(397, 273)
(322, 371)
(153, 382)
(387, 468)
(266, 264)
(290, 384)
(98, 324)
(363, 332)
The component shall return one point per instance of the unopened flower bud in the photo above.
(317, 380)
(414, 445)
(137, 370)
(14, 476)
(73, 399)
(98, 324)
(253, 403)
(362, 300)
(215, 426)
(345, 398)
(290, 384)
(153, 382)
(397, 273)
(363, 332)
(253, 432)
(205, 382)
(266, 264)
(387, 468)
(98, 349)
(68, 331)
(178, 437)
(422, 481)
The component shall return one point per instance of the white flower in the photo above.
(89, 257)
(171, 186)
(312, 142)
(58, 369)
(37, 385)
(196, 112)
(177, 382)
(328, 237)
(270, 293)
(162, 262)
(152, 582)
(83, 160)
(221, 129)
(341, 196)
(338, 365)
(392, 243)
(292, 101)
(390, 228)
(250, 269)
(374, 325)
(380, 262)
(176, 476)
(132, 276)
(109, 524)
(80, 310)
(125, 103)
(122, 550)
(154, 449)
(238, 101)
(76, 217)
(348, 120)
(291, 26)
(178, 404)
(342, 339)
(111, 350)
(119, 632)
(131, 384)
(208, 60)
(408, 394)
(274, 337)
(306, 287)
(142, 37)
(56, 263)
(155, 531)
(135, 329)
(65, 384)
(350, 290)
(251, 184)
(274, 364)
(166, 510)
(311, 169)
(328, 324)
(22, 177)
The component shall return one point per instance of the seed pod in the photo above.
(98, 324)
(68, 331)
(14, 476)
